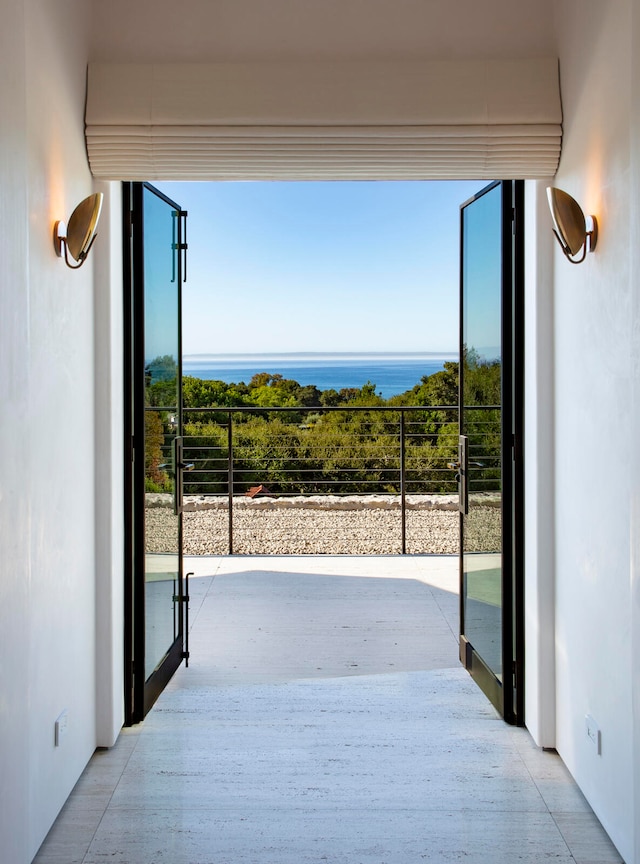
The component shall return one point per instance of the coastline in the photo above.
(392, 373)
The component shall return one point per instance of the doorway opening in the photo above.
(157, 401)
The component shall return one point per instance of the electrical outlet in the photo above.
(593, 733)
(61, 726)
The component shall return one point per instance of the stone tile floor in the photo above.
(324, 718)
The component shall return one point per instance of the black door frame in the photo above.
(136, 704)
(141, 693)
(508, 696)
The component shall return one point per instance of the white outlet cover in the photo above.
(60, 728)
(593, 733)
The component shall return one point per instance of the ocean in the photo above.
(392, 373)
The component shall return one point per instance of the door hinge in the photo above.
(133, 448)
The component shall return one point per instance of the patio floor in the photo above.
(324, 717)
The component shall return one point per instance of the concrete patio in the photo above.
(324, 717)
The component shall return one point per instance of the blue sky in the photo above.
(332, 266)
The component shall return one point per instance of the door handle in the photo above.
(463, 476)
(181, 467)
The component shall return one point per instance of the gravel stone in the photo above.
(370, 526)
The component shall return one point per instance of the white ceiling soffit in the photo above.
(321, 120)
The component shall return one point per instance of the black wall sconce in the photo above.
(574, 231)
(76, 237)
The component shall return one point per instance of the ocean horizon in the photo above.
(392, 372)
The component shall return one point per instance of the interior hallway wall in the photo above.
(47, 445)
(635, 451)
(14, 383)
(539, 528)
(109, 474)
(595, 429)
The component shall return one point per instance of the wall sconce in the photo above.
(574, 231)
(77, 236)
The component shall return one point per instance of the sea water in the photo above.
(391, 373)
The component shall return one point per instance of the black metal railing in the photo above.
(397, 452)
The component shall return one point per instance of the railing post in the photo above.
(403, 491)
(230, 480)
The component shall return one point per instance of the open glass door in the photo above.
(490, 478)
(155, 595)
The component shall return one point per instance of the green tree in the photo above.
(162, 368)
(329, 397)
(156, 479)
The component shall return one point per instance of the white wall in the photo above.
(635, 408)
(596, 429)
(14, 395)
(48, 434)
(539, 544)
(109, 447)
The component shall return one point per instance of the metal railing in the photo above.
(398, 452)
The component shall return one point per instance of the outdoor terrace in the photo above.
(350, 479)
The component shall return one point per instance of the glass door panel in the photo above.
(162, 408)
(481, 398)
(156, 597)
(486, 436)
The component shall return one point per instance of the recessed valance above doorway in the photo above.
(429, 120)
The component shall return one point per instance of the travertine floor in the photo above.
(325, 718)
